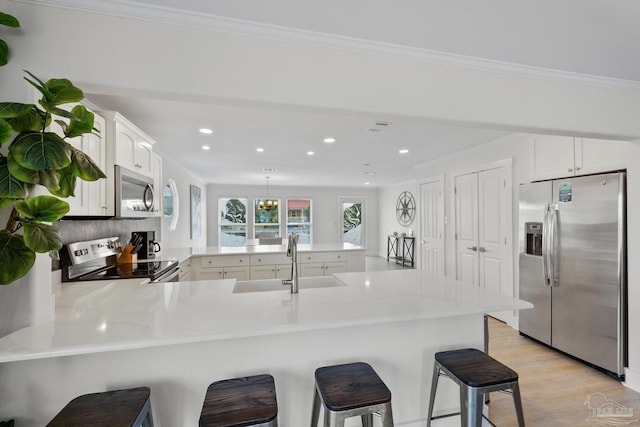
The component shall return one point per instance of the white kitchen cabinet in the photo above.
(185, 271)
(158, 187)
(356, 261)
(92, 198)
(132, 148)
(313, 264)
(222, 267)
(270, 266)
(554, 156)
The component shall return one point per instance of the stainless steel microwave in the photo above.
(134, 194)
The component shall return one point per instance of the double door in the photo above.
(482, 229)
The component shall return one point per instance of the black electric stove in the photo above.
(98, 260)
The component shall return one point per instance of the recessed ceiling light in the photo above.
(366, 183)
(403, 151)
(206, 131)
(310, 153)
(259, 149)
(369, 173)
(206, 147)
(329, 140)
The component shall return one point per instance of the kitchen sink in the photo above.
(276, 284)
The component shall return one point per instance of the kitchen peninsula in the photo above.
(178, 337)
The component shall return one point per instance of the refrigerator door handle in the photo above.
(553, 241)
(545, 247)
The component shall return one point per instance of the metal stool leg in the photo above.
(518, 404)
(432, 396)
(387, 416)
(367, 420)
(475, 404)
(315, 412)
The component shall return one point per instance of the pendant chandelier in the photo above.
(268, 203)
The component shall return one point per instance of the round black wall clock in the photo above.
(405, 208)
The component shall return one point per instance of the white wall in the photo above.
(326, 209)
(181, 236)
(515, 147)
(388, 198)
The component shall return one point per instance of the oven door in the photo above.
(171, 276)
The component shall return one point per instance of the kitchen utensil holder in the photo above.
(126, 257)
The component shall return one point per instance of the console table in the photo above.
(401, 249)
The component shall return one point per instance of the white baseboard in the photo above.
(632, 379)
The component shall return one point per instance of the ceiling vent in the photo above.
(378, 126)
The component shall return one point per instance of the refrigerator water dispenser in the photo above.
(533, 239)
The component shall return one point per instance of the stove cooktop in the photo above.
(140, 269)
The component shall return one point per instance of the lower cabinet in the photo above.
(274, 266)
(315, 269)
(223, 267)
(185, 271)
(238, 273)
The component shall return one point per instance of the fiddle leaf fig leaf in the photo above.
(4, 53)
(83, 122)
(42, 208)
(16, 259)
(42, 238)
(10, 110)
(10, 187)
(57, 92)
(84, 167)
(5, 131)
(66, 183)
(33, 121)
(39, 151)
(8, 20)
(6, 202)
(21, 173)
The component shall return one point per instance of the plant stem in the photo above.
(12, 223)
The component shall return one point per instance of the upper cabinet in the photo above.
(90, 198)
(563, 156)
(133, 148)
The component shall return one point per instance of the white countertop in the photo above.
(183, 253)
(102, 316)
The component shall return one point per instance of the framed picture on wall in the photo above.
(196, 211)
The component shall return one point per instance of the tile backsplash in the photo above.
(80, 229)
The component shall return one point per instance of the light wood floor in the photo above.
(554, 387)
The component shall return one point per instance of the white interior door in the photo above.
(466, 233)
(432, 226)
(493, 220)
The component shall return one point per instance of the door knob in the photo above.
(473, 248)
(422, 242)
(481, 249)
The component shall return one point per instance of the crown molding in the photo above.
(132, 9)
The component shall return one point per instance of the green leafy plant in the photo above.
(37, 156)
(8, 21)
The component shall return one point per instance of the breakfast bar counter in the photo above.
(179, 337)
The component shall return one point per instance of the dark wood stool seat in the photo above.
(120, 408)
(476, 373)
(350, 390)
(240, 402)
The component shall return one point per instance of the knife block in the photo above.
(126, 257)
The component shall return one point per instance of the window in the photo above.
(233, 221)
(299, 219)
(353, 221)
(267, 217)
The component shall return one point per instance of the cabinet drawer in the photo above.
(262, 259)
(321, 256)
(224, 261)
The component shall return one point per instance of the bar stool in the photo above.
(241, 402)
(476, 373)
(121, 408)
(350, 390)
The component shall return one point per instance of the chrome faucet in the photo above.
(292, 252)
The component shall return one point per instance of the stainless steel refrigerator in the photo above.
(573, 267)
